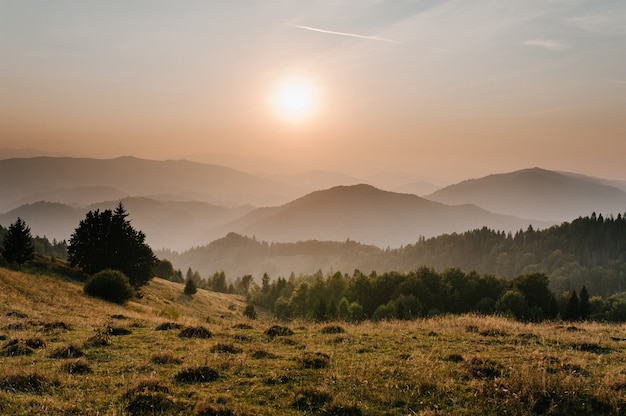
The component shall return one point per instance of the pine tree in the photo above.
(106, 240)
(190, 287)
(583, 304)
(18, 245)
(572, 312)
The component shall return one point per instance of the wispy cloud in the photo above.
(618, 81)
(352, 35)
(549, 44)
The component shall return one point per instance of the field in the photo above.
(62, 353)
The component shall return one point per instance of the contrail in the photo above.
(352, 35)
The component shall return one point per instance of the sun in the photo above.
(295, 100)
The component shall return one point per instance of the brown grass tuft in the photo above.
(202, 374)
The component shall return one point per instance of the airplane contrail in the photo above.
(352, 35)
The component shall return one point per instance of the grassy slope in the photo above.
(448, 365)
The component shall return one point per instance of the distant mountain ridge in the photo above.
(536, 193)
(22, 178)
(368, 215)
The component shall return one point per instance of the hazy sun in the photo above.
(295, 100)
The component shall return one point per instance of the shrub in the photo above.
(338, 409)
(165, 357)
(333, 329)
(310, 399)
(100, 339)
(35, 343)
(110, 285)
(78, 366)
(249, 312)
(16, 347)
(207, 409)
(68, 351)
(149, 397)
(54, 326)
(166, 326)
(196, 375)
(27, 383)
(226, 348)
(195, 332)
(278, 331)
(118, 331)
(314, 360)
(260, 354)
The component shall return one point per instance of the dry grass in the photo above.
(462, 365)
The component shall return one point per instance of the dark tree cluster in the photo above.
(589, 251)
(106, 240)
(411, 295)
(17, 244)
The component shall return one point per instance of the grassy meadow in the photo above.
(63, 353)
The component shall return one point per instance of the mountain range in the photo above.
(181, 204)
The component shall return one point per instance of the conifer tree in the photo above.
(106, 240)
(18, 245)
(583, 304)
(190, 287)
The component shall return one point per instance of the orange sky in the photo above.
(439, 89)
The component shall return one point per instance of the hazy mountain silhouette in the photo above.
(20, 179)
(368, 215)
(178, 225)
(536, 193)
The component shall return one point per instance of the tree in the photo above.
(18, 245)
(106, 240)
(163, 269)
(249, 312)
(572, 310)
(583, 305)
(190, 287)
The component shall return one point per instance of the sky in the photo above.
(440, 89)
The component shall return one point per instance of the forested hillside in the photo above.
(589, 251)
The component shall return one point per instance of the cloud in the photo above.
(549, 44)
(352, 35)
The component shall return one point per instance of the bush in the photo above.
(278, 331)
(315, 360)
(110, 285)
(149, 397)
(196, 375)
(78, 366)
(249, 312)
(68, 351)
(195, 332)
(207, 409)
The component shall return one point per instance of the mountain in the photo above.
(536, 193)
(178, 225)
(22, 179)
(368, 215)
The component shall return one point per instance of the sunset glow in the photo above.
(295, 100)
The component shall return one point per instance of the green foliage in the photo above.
(588, 251)
(106, 240)
(110, 285)
(249, 312)
(190, 287)
(164, 269)
(17, 247)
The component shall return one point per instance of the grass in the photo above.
(452, 365)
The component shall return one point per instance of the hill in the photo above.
(64, 353)
(178, 225)
(368, 215)
(536, 193)
(68, 180)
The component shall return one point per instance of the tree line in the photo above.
(425, 292)
(589, 251)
